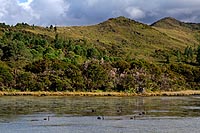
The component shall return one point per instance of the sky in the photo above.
(88, 12)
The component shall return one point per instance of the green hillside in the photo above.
(133, 38)
(186, 33)
(119, 54)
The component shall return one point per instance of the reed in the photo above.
(117, 94)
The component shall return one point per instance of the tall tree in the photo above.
(198, 55)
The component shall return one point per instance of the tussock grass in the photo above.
(175, 93)
(116, 94)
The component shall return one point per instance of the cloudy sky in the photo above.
(86, 12)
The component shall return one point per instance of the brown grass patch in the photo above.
(117, 94)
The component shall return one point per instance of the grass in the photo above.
(138, 38)
(185, 38)
(142, 40)
(116, 94)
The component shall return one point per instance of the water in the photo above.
(116, 114)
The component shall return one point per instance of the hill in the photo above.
(169, 23)
(185, 33)
(142, 40)
(119, 54)
(172, 23)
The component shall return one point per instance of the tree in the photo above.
(122, 65)
(126, 83)
(55, 29)
(96, 76)
(16, 50)
(5, 74)
(23, 81)
(198, 55)
(38, 66)
(51, 27)
(73, 73)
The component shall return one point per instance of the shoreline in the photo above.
(114, 94)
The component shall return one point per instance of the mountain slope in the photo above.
(135, 39)
(119, 54)
(185, 33)
(122, 37)
(172, 23)
(169, 23)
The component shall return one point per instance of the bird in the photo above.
(100, 117)
(48, 118)
(138, 115)
(142, 113)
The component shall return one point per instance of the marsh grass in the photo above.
(117, 94)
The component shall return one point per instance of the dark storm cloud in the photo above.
(84, 12)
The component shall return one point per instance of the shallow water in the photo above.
(116, 114)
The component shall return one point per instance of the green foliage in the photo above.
(38, 66)
(59, 84)
(198, 55)
(121, 65)
(79, 50)
(16, 50)
(188, 53)
(178, 56)
(126, 83)
(184, 70)
(6, 76)
(73, 73)
(21, 25)
(3, 25)
(117, 55)
(24, 81)
(95, 75)
(92, 53)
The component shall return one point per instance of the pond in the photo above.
(99, 114)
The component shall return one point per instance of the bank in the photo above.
(117, 94)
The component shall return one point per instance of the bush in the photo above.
(6, 77)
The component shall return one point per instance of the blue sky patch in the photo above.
(23, 1)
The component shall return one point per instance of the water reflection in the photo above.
(99, 114)
(100, 106)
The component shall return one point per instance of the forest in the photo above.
(118, 55)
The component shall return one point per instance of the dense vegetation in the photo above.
(117, 55)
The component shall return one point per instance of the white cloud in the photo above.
(11, 12)
(82, 12)
(91, 2)
(135, 13)
(40, 12)
(49, 11)
(25, 5)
